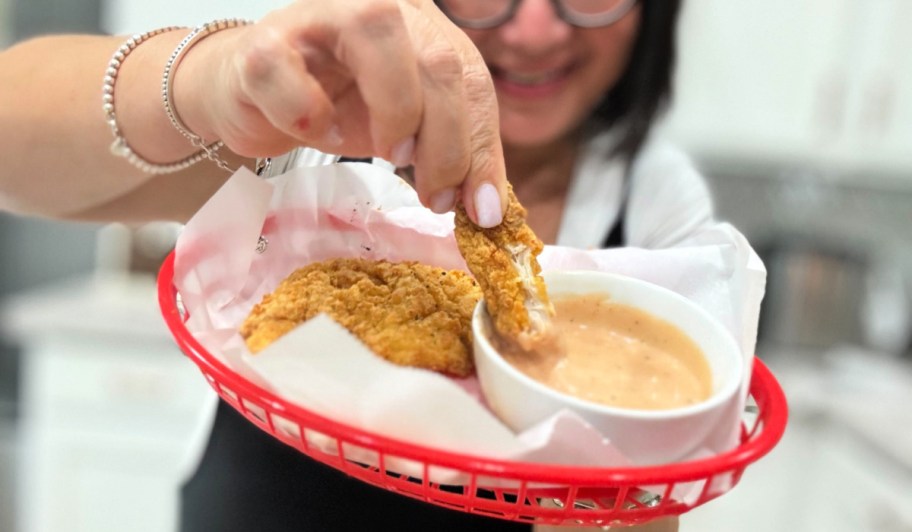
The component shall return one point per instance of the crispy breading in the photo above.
(504, 261)
(409, 313)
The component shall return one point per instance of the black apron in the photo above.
(248, 481)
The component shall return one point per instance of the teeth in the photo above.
(531, 79)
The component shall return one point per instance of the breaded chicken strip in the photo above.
(504, 261)
(409, 313)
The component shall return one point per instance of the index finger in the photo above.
(376, 47)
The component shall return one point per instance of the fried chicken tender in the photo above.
(504, 261)
(409, 313)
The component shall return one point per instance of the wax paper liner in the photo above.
(254, 232)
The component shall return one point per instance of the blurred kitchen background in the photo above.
(800, 114)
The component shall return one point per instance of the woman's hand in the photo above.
(387, 78)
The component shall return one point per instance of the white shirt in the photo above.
(667, 201)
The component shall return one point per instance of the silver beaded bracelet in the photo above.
(209, 151)
(120, 147)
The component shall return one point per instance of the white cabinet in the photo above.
(827, 82)
(110, 409)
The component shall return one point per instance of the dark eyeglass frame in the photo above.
(567, 15)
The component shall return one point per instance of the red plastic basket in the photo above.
(511, 490)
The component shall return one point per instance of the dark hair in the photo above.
(644, 89)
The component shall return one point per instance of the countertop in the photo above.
(93, 304)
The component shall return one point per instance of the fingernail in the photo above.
(443, 201)
(401, 156)
(334, 136)
(487, 206)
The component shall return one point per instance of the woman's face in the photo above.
(548, 74)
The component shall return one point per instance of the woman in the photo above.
(559, 95)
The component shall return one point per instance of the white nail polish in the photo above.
(402, 153)
(487, 206)
(443, 201)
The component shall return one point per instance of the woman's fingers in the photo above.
(433, 87)
(342, 78)
(484, 183)
(274, 79)
(442, 158)
(387, 78)
(376, 46)
(484, 191)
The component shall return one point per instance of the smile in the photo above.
(532, 79)
(529, 84)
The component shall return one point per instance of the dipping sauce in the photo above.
(616, 355)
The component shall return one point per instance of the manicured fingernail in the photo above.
(487, 206)
(443, 201)
(334, 136)
(401, 156)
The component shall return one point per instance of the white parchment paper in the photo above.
(361, 210)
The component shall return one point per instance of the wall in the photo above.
(826, 83)
(133, 16)
(31, 17)
(6, 35)
(35, 252)
(801, 117)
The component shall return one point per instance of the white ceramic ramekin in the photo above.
(646, 437)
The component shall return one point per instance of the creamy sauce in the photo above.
(616, 355)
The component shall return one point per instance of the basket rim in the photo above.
(765, 389)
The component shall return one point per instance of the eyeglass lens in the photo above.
(493, 12)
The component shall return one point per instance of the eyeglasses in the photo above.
(487, 14)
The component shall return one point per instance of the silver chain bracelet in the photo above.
(120, 147)
(209, 151)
